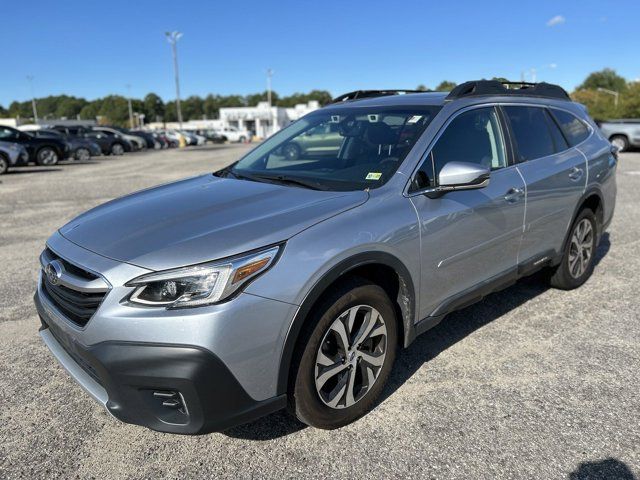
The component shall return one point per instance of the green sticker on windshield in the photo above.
(373, 176)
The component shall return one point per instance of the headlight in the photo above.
(200, 284)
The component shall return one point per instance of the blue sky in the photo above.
(90, 49)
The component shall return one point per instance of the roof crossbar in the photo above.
(371, 93)
(496, 87)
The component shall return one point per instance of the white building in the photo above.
(263, 120)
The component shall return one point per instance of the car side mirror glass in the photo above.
(463, 176)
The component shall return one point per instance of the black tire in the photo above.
(621, 142)
(291, 151)
(572, 273)
(242, 139)
(82, 154)
(4, 164)
(47, 156)
(117, 149)
(304, 397)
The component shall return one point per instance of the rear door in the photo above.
(555, 176)
(468, 237)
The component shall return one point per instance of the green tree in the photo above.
(3, 112)
(253, 99)
(422, 88)
(153, 108)
(599, 105)
(445, 86)
(605, 78)
(630, 101)
(115, 110)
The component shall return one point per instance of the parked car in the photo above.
(233, 134)
(323, 140)
(42, 151)
(12, 155)
(623, 134)
(212, 301)
(137, 143)
(151, 141)
(80, 147)
(212, 136)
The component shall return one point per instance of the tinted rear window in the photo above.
(531, 132)
(574, 130)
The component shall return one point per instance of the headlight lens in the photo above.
(200, 284)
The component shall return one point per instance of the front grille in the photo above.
(77, 306)
(70, 267)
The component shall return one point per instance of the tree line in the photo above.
(114, 109)
(594, 92)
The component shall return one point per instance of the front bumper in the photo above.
(168, 388)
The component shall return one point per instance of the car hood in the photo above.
(201, 219)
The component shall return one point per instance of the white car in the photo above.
(232, 134)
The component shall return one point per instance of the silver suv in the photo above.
(292, 282)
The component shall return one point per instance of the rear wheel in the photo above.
(117, 149)
(4, 164)
(47, 156)
(82, 154)
(620, 142)
(345, 356)
(579, 254)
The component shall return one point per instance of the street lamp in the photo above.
(269, 75)
(615, 94)
(130, 109)
(172, 38)
(33, 100)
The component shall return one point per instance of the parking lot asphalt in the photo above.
(529, 383)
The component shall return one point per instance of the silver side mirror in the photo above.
(463, 176)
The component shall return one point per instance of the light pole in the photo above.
(130, 109)
(33, 100)
(615, 94)
(269, 75)
(173, 38)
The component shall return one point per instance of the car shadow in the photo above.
(608, 468)
(22, 170)
(455, 327)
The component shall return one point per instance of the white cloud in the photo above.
(557, 20)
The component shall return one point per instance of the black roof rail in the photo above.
(371, 93)
(496, 87)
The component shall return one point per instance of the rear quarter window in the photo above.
(573, 128)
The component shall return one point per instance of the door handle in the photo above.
(514, 194)
(576, 173)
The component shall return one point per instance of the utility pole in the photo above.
(269, 75)
(130, 109)
(33, 100)
(172, 38)
(615, 94)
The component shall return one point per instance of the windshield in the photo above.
(337, 149)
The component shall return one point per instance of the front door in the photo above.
(468, 236)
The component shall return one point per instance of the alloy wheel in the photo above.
(48, 156)
(350, 357)
(83, 154)
(117, 149)
(581, 248)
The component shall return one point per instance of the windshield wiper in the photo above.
(285, 180)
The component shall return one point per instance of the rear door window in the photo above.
(531, 132)
(573, 128)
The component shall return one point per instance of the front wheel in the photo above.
(117, 149)
(4, 165)
(82, 154)
(47, 156)
(345, 356)
(578, 259)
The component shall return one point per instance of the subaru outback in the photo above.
(291, 281)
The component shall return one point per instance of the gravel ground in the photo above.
(529, 383)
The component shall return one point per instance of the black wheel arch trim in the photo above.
(600, 222)
(406, 302)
